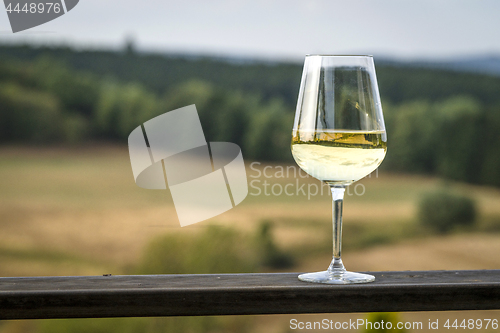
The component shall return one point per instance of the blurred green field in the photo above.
(81, 207)
(77, 211)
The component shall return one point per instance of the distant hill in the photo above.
(398, 81)
(487, 64)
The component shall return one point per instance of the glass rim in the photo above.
(341, 55)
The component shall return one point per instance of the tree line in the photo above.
(438, 122)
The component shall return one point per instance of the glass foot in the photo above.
(343, 277)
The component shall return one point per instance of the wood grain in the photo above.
(243, 294)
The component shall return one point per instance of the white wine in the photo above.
(339, 156)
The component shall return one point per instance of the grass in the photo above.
(83, 202)
(77, 211)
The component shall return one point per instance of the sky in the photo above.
(280, 29)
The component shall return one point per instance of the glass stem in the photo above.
(337, 267)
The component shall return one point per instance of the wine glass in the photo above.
(338, 137)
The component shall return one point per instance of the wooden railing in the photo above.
(243, 294)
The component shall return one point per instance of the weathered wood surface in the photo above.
(243, 294)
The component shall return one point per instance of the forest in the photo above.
(439, 122)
